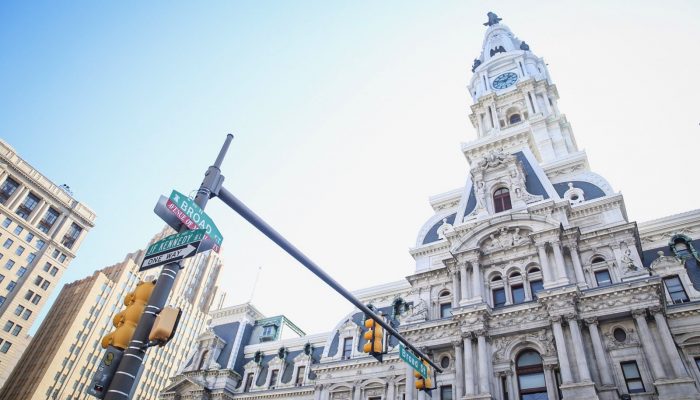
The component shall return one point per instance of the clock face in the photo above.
(505, 80)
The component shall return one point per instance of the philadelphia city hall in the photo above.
(530, 281)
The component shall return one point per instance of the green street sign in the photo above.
(176, 240)
(194, 217)
(413, 361)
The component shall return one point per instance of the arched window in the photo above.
(514, 119)
(501, 200)
(445, 304)
(530, 373)
(203, 359)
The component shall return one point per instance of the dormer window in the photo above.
(501, 200)
(269, 332)
(514, 119)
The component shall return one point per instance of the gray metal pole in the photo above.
(127, 374)
(271, 233)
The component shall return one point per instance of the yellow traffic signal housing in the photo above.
(375, 339)
(126, 320)
(424, 383)
(165, 325)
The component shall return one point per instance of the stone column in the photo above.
(550, 382)
(544, 263)
(357, 390)
(16, 197)
(459, 369)
(559, 260)
(410, 382)
(483, 363)
(563, 356)
(464, 284)
(648, 344)
(455, 288)
(317, 392)
(391, 389)
(581, 362)
(601, 362)
(499, 385)
(38, 212)
(669, 345)
(468, 365)
(578, 269)
(477, 283)
(512, 383)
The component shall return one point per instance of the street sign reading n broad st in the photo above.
(173, 248)
(413, 361)
(180, 209)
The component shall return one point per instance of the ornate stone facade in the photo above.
(530, 281)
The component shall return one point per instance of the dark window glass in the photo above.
(49, 219)
(620, 335)
(518, 293)
(27, 206)
(603, 278)
(8, 187)
(300, 375)
(16, 330)
(536, 286)
(445, 362)
(501, 200)
(72, 235)
(515, 118)
(445, 310)
(446, 392)
(248, 382)
(28, 295)
(347, 348)
(697, 360)
(499, 297)
(273, 377)
(632, 377)
(531, 376)
(675, 290)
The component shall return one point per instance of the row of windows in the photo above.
(27, 206)
(11, 326)
(274, 374)
(28, 237)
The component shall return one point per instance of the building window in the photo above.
(445, 362)
(446, 392)
(675, 290)
(45, 285)
(38, 280)
(8, 187)
(49, 219)
(21, 271)
(632, 377)
(28, 295)
(40, 244)
(273, 378)
(445, 310)
(530, 376)
(514, 119)
(46, 267)
(501, 200)
(8, 326)
(11, 286)
(248, 382)
(301, 371)
(19, 250)
(18, 230)
(499, 297)
(620, 335)
(6, 222)
(55, 253)
(2, 298)
(19, 310)
(602, 277)
(29, 237)
(72, 235)
(36, 299)
(9, 264)
(5, 347)
(536, 286)
(26, 314)
(27, 206)
(31, 257)
(53, 271)
(16, 330)
(62, 258)
(697, 362)
(347, 348)
(518, 293)
(7, 243)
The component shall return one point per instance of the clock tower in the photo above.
(513, 94)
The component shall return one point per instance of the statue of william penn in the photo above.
(493, 19)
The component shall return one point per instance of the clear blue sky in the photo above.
(348, 115)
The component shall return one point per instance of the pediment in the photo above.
(495, 233)
(184, 384)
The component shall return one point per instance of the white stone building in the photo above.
(530, 281)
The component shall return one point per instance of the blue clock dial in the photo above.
(505, 80)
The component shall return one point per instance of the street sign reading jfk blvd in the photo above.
(173, 248)
(180, 209)
(413, 361)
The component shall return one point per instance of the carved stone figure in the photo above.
(627, 260)
(419, 312)
(524, 46)
(444, 228)
(476, 64)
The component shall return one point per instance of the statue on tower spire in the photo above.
(493, 19)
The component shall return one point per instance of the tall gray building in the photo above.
(530, 281)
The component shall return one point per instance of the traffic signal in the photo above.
(126, 320)
(375, 339)
(165, 325)
(422, 383)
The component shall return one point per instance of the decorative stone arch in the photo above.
(373, 387)
(474, 240)
(513, 111)
(373, 382)
(527, 268)
(339, 388)
(493, 274)
(516, 347)
(514, 268)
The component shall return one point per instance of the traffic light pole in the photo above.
(245, 212)
(127, 374)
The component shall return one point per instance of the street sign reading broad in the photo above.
(180, 209)
(173, 248)
(413, 361)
